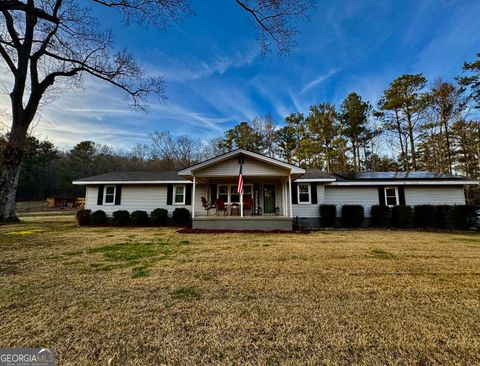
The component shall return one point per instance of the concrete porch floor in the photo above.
(222, 222)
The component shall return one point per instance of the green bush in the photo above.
(442, 214)
(352, 215)
(159, 216)
(98, 218)
(424, 216)
(83, 217)
(181, 217)
(381, 216)
(328, 215)
(402, 216)
(121, 218)
(139, 218)
(462, 217)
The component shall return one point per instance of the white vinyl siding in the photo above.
(251, 167)
(136, 197)
(365, 196)
(309, 210)
(434, 196)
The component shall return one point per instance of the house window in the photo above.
(223, 193)
(247, 191)
(304, 194)
(229, 192)
(109, 195)
(179, 194)
(391, 196)
(234, 195)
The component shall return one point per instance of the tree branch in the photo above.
(9, 5)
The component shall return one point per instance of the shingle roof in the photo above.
(163, 175)
(368, 176)
(312, 173)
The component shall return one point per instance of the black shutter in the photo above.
(381, 196)
(188, 194)
(294, 193)
(313, 189)
(213, 193)
(100, 195)
(169, 193)
(118, 194)
(401, 195)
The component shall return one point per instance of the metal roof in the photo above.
(367, 176)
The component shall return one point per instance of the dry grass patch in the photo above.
(153, 296)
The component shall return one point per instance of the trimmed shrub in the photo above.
(181, 217)
(402, 216)
(139, 218)
(424, 216)
(98, 218)
(462, 217)
(328, 215)
(381, 216)
(121, 218)
(83, 217)
(442, 214)
(159, 216)
(352, 215)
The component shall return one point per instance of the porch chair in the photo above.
(206, 205)
(248, 205)
(235, 210)
(220, 206)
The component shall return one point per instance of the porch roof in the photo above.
(292, 169)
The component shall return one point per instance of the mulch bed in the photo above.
(204, 231)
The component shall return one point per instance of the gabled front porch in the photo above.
(264, 204)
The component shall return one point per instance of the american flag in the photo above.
(240, 181)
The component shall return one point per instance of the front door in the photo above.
(269, 198)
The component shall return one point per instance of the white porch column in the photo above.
(241, 204)
(285, 200)
(193, 197)
(290, 205)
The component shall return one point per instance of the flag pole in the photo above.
(240, 161)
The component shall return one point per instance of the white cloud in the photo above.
(319, 79)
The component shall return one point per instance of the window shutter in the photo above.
(213, 193)
(118, 195)
(401, 195)
(100, 195)
(294, 193)
(188, 194)
(313, 191)
(381, 196)
(169, 193)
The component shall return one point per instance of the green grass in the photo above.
(139, 255)
(381, 254)
(186, 293)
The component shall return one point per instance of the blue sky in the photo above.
(217, 75)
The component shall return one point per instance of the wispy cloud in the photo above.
(319, 79)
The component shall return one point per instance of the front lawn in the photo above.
(152, 296)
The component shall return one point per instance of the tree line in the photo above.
(415, 125)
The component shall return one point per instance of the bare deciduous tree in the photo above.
(49, 42)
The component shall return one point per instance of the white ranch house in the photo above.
(280, 192)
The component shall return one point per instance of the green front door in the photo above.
(269, 198)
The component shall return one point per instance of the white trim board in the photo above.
(407, 183)
(313, 180)
(132, 182)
